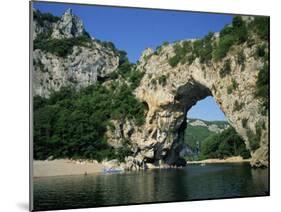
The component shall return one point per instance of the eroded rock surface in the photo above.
(169, 92)
(156, 141)
(81, 68)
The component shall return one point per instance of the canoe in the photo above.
(112, 170)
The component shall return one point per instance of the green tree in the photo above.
(225, 144)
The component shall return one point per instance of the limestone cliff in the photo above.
(81, 67)
(185, 85)
(170, 86)
(171, 90)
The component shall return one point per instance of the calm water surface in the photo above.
(191, 183)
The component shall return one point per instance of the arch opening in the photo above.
(204, 120)
(186, 97)
(201, 127)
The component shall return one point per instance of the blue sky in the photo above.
(206, 109)
(133, 30)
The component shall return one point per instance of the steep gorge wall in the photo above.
(169, 100)
(81, 67)
(169, 91)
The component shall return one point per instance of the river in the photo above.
(191, 183)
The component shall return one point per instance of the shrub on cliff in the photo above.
(226, 69)
(59, 47)
(260, 51)
(206, 49)
(262, 86)
(123, 151)
(260, 25)
(203, 48)
(223, 47)
(237, 33)
(42, 17)
(241, 59)
(181, 50)
(162, 80)
(255, 137)
(173, 61)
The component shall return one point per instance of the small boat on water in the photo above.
(112, 170)
(203, 164)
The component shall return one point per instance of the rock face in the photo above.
(198, 123)
(169, 92)
(66, 26)
(211, 126)
(185, 85)
(214, 128)
(80, 68)
(69, 26)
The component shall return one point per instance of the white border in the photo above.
(14, 105)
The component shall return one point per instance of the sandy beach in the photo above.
(236, 159)
(64, 167)
(60, 167)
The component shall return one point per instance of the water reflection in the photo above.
(193, 182)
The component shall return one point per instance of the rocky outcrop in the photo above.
(81, 68)
(168, 91)
(211, 126)
(214, 128)
(69, 26)
(184, 86)
(198, 123)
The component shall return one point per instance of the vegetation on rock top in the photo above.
(72, 123)
(60, 47)
(239, 32)
(44, 17)
(209, 47)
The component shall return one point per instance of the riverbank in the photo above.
(62, 167)
(186, 184)
(236, 159)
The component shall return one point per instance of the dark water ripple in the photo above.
(191, 183)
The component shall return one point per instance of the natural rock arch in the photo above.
(167, 89)
(186, 97)
(171, 91)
